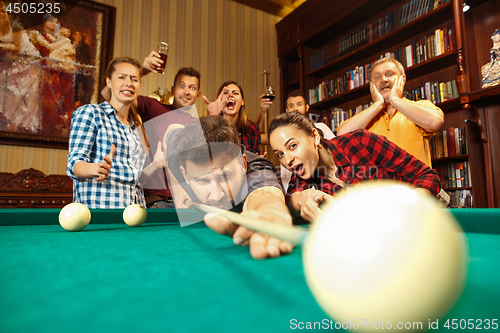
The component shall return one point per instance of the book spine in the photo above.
(441, 40)
(441, 92)
(445, 40)
(457, 175)
(436, 92)
(454, 89)
(445, 144)
(445, 91)
(451, 42)
(451, 133)
(452, 174)
(449, 90)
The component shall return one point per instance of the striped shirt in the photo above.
(93, 129)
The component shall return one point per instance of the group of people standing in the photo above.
(131, 143)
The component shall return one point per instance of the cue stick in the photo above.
(291, 234)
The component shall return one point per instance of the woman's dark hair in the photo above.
(242, 120)
(299, 121)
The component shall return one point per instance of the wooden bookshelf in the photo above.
(316, 24)
(379, 45)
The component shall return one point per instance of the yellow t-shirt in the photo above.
(403, 132)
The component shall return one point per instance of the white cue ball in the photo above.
(384, 253)
(134, 215)
(74, 217)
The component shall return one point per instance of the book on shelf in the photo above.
(436, 92)
(445, 143)
(441, 92)
(335, 116)
(378, 28)
(441, 46)
(461, 199)
(451, 42)
(448, 143)
(449, 92)
(454, 175)
(454, 89)
(409, 17)
(445, 39)
(451, 142)
(420, 50)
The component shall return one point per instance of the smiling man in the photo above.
(212, 168)
(408, 124)
(186, 91)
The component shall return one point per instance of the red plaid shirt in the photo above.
(250, 137)
(362, 155)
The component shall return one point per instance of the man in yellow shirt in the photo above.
(408, 124)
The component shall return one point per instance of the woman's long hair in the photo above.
(299, 121)
(134, 116)
(241, 120)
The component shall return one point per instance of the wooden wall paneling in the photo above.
(461, 79)
(477, 155)
(492, 119)
(31, 188)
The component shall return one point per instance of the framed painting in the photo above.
(53, 59)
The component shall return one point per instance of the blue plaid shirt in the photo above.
(93, 129)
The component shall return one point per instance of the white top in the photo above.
(287, 175)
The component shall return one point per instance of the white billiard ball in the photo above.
(134, 215)
(385, 253)
(74, 217)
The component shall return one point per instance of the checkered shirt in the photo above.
(93, 129)
(362, 155)
(250, 137)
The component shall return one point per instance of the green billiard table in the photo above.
(162, 277)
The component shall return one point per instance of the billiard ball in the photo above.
(134, 215)
(384, 253)
(74, 217)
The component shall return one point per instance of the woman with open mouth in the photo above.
(322, 167)
(231, 94)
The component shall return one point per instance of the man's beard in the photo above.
(224, 203)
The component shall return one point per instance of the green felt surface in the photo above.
(472, 220)
(156, 278)
(164, 278)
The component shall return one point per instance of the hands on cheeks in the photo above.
(309, 204)
(261, 246)
(376, 95)
(216, 107)
(104, 167)
(398, 88)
